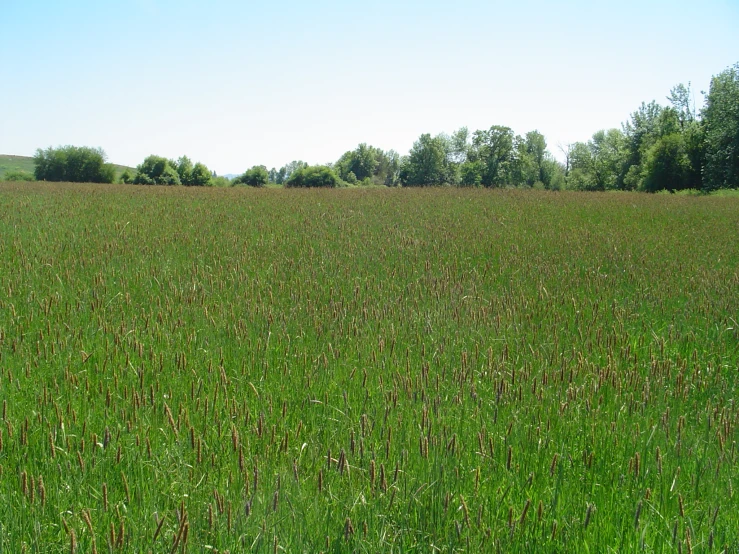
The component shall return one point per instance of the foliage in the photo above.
(721, 120)
(427, 164)
(494, 150)
(184, 168)
(281, 176)
(220, 181)
(368, 165)
(597, 165)
(127, 177)
(471, 174)
(156, 170)
(77, 164)
(257, 176)
(17, 175)
(477, 370)
(200, 176)
(666, 165)
(313, 176)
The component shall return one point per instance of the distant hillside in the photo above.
(15, 163)
(25, 163)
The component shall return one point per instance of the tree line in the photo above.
(660, 147)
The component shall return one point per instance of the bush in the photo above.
(314, 176)
(17, 175)
(126, 177)
(200, 176)
(156, 170)
(220, 181)
(257, 176)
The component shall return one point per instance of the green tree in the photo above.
(598, 164)
(470, 174)
(536, 147)
(426, 164)
(459, 145)
(523, 169)
(74, 164)
(313, 176)
(388, 167)
(368, 164)
(721, 124)
(362, 162)
(681, 99)
(126, 177)
(257, 176)
(220, 181)
(553, 174)
(156, 170)
(184, 168)
(666, 165)
(284, 173)
(608, 153)
(200, 176)
(494, 150)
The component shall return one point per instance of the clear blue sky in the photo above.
(234, 84)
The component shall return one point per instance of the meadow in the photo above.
(447, 370)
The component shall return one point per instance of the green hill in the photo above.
(25, 163)
(15, 163)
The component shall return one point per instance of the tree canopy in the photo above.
(257, 176)
(79, 164)
(157, 170)
(721, 128)
(313, 176)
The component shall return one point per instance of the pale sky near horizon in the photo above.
(236, 84)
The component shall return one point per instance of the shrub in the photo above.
(18, 175)
(126, 177)
(257, 176)
(313, 176)
(220, 181)
(200, 176)
(156, 170)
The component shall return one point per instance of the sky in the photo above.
(235, 84)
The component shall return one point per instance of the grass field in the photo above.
(25, 163)
(367, 371)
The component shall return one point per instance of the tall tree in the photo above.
(78, 164)
(536, 147)
(721, 121)
(459, 145)
(257, 176)
(200, 176)
(681, 99)
(184, 168)
(598, 164)
(426, 164)
(666, 165)
(494, 150)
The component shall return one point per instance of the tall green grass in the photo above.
(367, 371)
